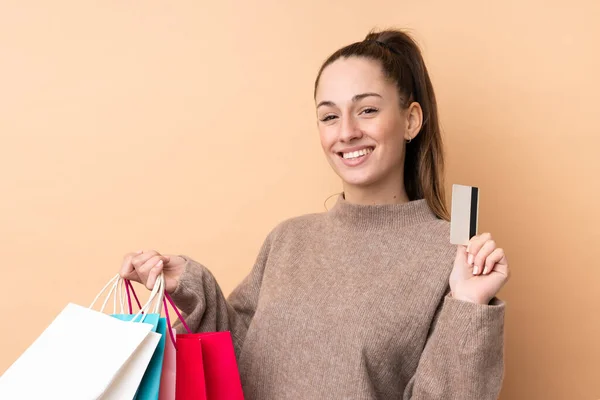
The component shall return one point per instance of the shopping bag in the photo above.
(167, 377)
(76, 357)
(205, 359)
(127, 381)
(135, 377)
(151, 319)
(189, 379)
(140, 380)
(220, 366)
(221, 375)
(149, 386)
(162, 364)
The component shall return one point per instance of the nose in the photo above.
(349, 129)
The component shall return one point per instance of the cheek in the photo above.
(326, 137)
(390, 139)
(388, 132)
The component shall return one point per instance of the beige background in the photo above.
(189, 127)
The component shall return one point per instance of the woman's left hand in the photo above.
(480, 270)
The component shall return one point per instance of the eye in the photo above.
(328, 118)
(369, 110)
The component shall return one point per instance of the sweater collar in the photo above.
(381, 216)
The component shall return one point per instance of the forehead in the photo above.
(346, 77)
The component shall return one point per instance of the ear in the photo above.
(414, 120)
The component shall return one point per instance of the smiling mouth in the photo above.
(356, 154)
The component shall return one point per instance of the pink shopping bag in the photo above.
(167, 378)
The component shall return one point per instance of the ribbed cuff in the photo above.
(184, 296)
(474, 325)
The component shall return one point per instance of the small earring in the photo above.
(408, 141)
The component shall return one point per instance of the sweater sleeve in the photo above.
(463, 358)
(206, 309)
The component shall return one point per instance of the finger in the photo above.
(140, 258)
(496, 261)
(461, 255)
(487, 249)
(127, 270)
(477, 242)
(153, 274)
(475, 245)
(144, 269)
(460, 262)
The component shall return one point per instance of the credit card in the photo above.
(465, 213)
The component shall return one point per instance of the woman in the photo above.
(368, 300)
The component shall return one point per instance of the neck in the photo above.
(383, 193)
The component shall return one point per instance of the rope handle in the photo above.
(116, 284)
(130, 290)
(156, 295)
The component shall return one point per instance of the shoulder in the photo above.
(288, 232)
(292, 234)
(296, 230)
(437, 230)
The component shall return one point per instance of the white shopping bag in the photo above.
(80, 356)
(76, 357)
(125, 384)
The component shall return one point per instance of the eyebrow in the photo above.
(354, 99)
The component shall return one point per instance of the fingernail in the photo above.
(159, 263)
(475, 270)
(470, 259)
(485, 270)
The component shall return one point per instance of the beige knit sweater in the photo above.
(353, 304)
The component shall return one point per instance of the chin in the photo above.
(358, 179)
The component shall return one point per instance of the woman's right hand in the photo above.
(145, 267)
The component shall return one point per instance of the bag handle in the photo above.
(116, 284)
(119, 295)
(112, 284)
(158, 299)
(129, 288)
(165, 297)
(185, 325)
(155, 295)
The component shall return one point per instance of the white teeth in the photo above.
(355, 154)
